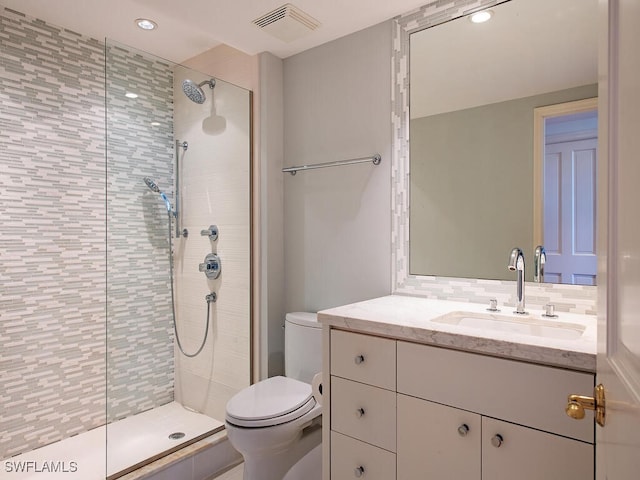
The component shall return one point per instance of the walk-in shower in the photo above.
(79, 203)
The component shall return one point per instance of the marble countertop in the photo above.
(424, 320)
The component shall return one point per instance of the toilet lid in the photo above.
(270, 398)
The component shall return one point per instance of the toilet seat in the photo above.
(270, 402)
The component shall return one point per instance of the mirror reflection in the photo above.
(477, 189)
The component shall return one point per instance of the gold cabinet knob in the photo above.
(577, 404)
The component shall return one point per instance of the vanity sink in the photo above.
(521, 324)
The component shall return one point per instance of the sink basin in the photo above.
(523, 325)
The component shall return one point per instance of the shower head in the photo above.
(194, 91)
(154, 187)
(151, 184)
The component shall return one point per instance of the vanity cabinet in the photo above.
(406, 410)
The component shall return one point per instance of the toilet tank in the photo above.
(302, 346)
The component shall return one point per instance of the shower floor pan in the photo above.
(116, 449)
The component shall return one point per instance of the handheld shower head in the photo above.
(194, 91)
(154, 187)
(151, 184)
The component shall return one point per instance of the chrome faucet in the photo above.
(539, 259)
(516, 263)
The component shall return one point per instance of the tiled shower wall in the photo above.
(139, 317)
(53, 305)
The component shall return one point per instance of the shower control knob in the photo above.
(211, 266)
(211, 232)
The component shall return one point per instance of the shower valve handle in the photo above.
(211, 266)
(211, 232)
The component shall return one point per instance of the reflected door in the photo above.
(570, 211)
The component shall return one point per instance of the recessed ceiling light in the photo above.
(131, 95)
(155, 124)
(481, 17)
(146, 24)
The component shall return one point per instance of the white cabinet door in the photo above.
(512, 452)
(433, 442)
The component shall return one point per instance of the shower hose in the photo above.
(173, 304)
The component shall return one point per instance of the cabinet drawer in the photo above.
(523, 393)
(528, 454)
(348, 456)
(364, 412)
(364, 358)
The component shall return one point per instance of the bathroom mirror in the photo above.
(473, 92)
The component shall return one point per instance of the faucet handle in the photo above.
(549, 311)
(211, 232)
(493, 305)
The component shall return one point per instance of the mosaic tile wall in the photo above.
(570, 298)
(52, 247)
(140, 365)
(52, 251)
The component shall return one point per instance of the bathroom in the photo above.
(320, 239)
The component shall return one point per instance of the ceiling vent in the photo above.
(287, 23)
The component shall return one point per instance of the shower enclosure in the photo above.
(88, 352)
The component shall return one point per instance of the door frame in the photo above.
(540, 114)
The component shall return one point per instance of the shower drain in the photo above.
(176, 436)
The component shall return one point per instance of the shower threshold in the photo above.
(116, 449)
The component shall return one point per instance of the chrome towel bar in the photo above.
(375, 159)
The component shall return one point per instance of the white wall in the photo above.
(337, 226)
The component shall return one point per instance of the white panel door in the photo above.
(618, 442)
(570, 212)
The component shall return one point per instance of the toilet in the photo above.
(276, 422)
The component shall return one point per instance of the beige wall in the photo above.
(215, 189)
(262, 74)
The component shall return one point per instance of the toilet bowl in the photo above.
(273, 435)
(276, 422)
